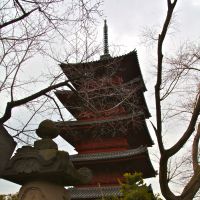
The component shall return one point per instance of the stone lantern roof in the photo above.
(44, 162)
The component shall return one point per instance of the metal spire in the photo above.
(105, 31)
(106, 54)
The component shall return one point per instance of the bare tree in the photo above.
(170, 80)
(32, 28)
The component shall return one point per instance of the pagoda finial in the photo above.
(105, 30)
(106, 54)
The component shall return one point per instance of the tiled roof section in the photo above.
(108, 155)
(94, 192)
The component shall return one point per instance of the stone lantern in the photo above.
(43, 170)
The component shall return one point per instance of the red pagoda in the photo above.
(110, 133)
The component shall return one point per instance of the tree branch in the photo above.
(13, 104)
(17, 19)
(163, 179)
(22, 9)
(59, 110)
(192, 186)
(191, 127)
(195, 150)
(159, 73)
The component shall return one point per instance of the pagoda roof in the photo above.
(108, 155)
(125, 66)
(98, 192)
(122, 161)
(94, 192)
(75, 131)
(84, 101)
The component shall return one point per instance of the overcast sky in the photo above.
(126, 21)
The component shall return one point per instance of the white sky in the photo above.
(126, 20)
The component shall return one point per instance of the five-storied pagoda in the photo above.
(110, 133)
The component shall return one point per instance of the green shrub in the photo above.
(134, 188)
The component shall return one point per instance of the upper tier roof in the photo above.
(125, 66)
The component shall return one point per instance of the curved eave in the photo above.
(94, 192)
(131, 158)
(128, 65)
(99, 192)
(108, 155)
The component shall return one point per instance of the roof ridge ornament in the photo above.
(106, 54)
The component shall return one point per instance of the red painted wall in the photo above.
(103, 145)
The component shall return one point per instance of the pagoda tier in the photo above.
(101, 73)
(114, 133)
(109, 167)
(120, 99)
(98, 192)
